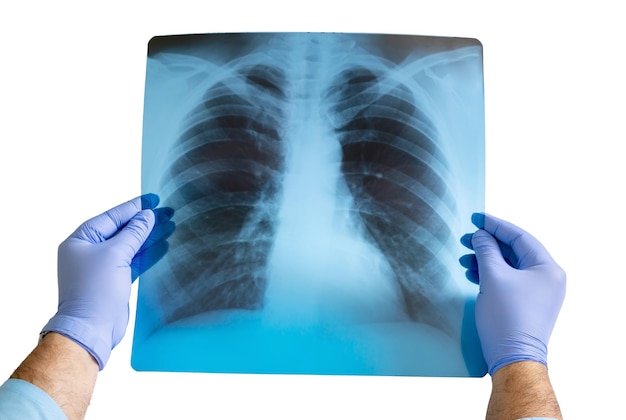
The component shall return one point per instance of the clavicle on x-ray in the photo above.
(321, 183)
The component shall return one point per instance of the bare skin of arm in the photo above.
(522, 389)
(64, 370)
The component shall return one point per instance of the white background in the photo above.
(71, 98)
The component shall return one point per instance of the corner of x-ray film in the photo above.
(321, 183)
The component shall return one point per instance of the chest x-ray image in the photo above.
(321, 184)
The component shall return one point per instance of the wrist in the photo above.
(82, 334)
(62, 369)
(521, 390)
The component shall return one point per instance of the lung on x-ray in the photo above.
(321, 184)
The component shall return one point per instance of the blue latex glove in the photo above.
(96, 267)
(521, 291)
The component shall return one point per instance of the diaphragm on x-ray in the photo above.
(321, 183)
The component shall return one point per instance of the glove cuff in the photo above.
(81, 333)
(514, 350)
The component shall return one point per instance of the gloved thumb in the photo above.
(488, 253)
(136, 231)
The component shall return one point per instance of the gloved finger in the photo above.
(473, 276)
(105, 225)
(469, 261)
(147, 258)
(149, 201)
(135, 233)
(162, 214)
(163, 226)
(508, 255)
(466, 240)
(488, 253)
(478, 219)
(159, 232)
(121, 214)
(527, 251)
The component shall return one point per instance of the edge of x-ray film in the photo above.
(321, 183)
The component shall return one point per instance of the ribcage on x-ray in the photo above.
(397, 175)
(223, 183)
(228, 166)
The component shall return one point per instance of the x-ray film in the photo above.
(321, 183)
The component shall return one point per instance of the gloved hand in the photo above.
(521, 291)
(96, 267)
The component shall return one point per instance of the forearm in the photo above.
(64, 370)
(522, 389)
